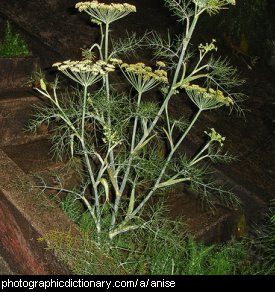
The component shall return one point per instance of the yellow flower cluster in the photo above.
(145, 72)
(232, 2)
(215, 136)
(219, 2)
(98, 68)
(208, 47)
(110, 136)
(211, 94)
(214, 6)
(160, 64)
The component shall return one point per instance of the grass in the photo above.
(13, 44)
(264, 243)
(161, 247)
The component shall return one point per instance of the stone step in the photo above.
(210, 226)
(16, 109)
(15, 72)
(27, 215)
(36, 160)
(23, 220)
(203, 224)
(32, 157)
(50, 40)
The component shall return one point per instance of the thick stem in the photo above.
(87, 160)
(83, 113)
(107, 88)
(185, 43)
(106, 42)
(135, 123)
(90, 209)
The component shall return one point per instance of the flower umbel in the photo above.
(161, 64)
(143, 78)
(106, 13)
(85, 72)
(207, 99)
(213, 6)
(208, 47)
(214, 136)
(111, 137)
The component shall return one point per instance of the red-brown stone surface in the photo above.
(16, 109)
(24, 219)
(14, 72)
(18, 241)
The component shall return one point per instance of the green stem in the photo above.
(185, 43)
(101, 41)
(199, 159)
(194, 160)
(164, 106)
(91, 211)
(138, 209)
(106, 42)
(84, 113)
(107, 87)
(88, 163)
(168, 122)
(135, 123)
(94, 185)
(127, 172)
(81, 137)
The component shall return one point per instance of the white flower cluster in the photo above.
(85, 72)
(99, 67)
(105, 13)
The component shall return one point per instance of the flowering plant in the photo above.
(115, 135)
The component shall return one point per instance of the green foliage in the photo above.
(264, 243)
(35, 77)
(165, 49)
(224, 259)
(80, 253)
(161, 247)
(127, 46)
(72, 207)
(207, 186)
(13, 44)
